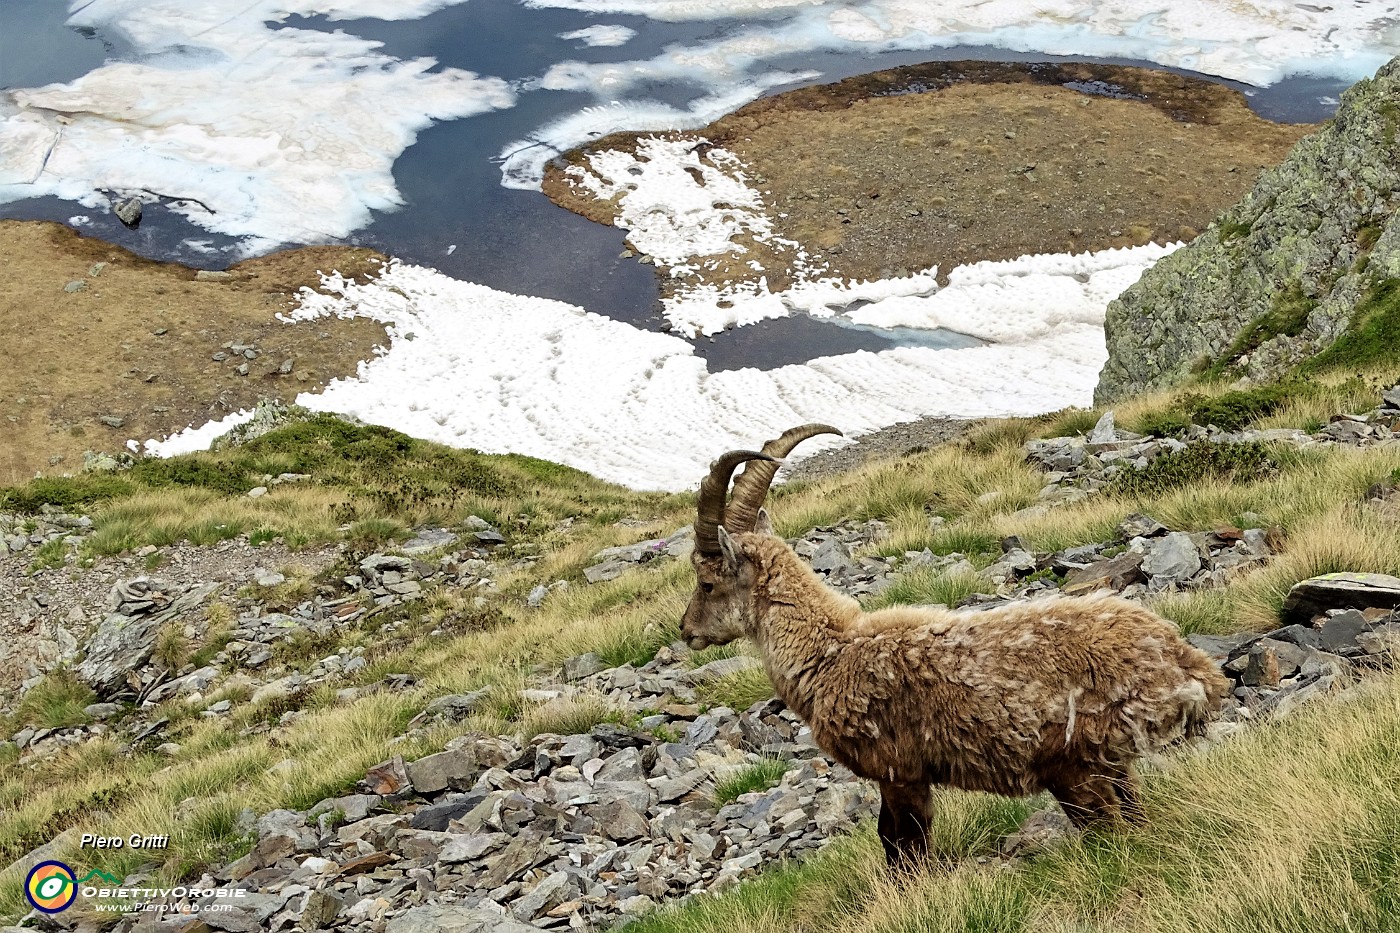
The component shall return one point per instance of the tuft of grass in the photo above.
(570, 716)
(50, 555)
(172, 648)
(930, 585)
(737, 691)
(755, 776)
(1208, 612)
(961, 538)
(1346, 538)
(56, 702)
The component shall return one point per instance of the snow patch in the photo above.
(471, 366)
(274, 134)
(193, 439)
(601, 35)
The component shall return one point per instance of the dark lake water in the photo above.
(450, 180)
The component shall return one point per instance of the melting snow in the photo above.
(601, 36)
(474, 367)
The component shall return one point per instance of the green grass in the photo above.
(1286, 317)
(930, 585)
(571, 716)
(756, 776)
(737, 691)
(375, 480)
(1373, 337)
(50, 555)
(1236, 463)
(56, 702)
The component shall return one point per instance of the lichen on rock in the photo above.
(1280, 276)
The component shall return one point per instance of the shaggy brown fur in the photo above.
(1061, 694)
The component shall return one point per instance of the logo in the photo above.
(51, 887)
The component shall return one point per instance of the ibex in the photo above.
(1060, 694)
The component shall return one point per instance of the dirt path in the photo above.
(89, 331)
(953, 162)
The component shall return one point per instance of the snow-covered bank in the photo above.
(474, 367)
(271, 133)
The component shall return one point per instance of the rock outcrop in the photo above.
(1280, 276)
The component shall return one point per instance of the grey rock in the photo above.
(1116, 573)
(453, 707)
(100, 711)
(128, 211)
(581, 666)
(437, 816)
(125, 639)
(724, 667)
(468, 847)
(1103, 432)
(1220, 647)
(625, 765)
(550, 892)
(446, 918)
(1340, 631)
(608, 570)
(1316, 595)
(1138, 525)
(1391, 396)
(831, 555)
(1173, 557)
(319, 910)
(436, 773)
(670, 789)
(621, 822)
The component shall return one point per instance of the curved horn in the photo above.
(709, 509)
(751, 486)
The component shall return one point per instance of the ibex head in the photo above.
(721, 608)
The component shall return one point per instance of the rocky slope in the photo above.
(580, 828)
(1281, 275)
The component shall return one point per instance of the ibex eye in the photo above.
(707, 587)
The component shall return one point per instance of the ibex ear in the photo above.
(728, 550)
(764, 524)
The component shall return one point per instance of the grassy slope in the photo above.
(1289, 823)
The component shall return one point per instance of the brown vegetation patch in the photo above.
(137, 342)
(953, 162)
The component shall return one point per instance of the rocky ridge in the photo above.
(1278, 277)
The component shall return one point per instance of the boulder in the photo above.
(126, 637)
(1116, 573)
(1174, 558)
(1314, 596)
(446, 918)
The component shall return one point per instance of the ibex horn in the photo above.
(709, 510)
(751, 486)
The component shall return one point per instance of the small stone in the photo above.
(208, 275)
(128, 212)
(1138, 525)
(77, 285)
(112, 421)
(1103, 432)
(287, 366)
